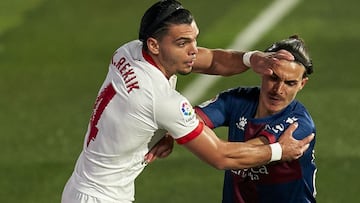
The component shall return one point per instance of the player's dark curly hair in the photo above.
(159, 16)
(296, 46)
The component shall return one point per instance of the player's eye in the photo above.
(181, 43)
(291, 83)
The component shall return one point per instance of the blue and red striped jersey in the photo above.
(276, 182)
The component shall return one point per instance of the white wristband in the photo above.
(276, 152)
(246, 58)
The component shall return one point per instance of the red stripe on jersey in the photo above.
(269, 136)
(204, 117)
(193, 134)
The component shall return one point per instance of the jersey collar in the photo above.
(149, 59)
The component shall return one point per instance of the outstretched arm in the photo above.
(258, 141)
(230, 62)
(236, 155)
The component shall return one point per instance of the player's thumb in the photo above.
(290, 130)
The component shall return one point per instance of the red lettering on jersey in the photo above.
(132, 86)
(102, 101)
(123, 69)
(119, 63)
(127, 73)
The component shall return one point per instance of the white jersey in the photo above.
(135, 106)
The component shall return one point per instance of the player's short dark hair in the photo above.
(296, 46)
(159, 16)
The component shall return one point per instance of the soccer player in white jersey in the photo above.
(137, 104)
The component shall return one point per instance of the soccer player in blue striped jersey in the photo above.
(259, 115)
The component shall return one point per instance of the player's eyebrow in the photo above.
(287, 81)
(183, 39)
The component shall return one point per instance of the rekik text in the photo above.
(127, 73)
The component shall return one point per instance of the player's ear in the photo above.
(303, 82)
(153, 45)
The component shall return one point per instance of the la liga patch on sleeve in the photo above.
(187, 112)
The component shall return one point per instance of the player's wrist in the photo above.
(276, 152)
(246, 58)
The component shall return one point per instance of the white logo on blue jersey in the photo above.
(242, 123)
(291, 120)
(280, 127)
(253, 173)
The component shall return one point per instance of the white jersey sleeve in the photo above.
(175, 113)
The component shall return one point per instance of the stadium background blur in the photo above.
(55, 54)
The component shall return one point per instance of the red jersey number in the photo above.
(102, 101)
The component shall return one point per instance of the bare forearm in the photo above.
(258, 141)
(219, 62)
(231, 62)
(245, 155)
(228, 155)
(237, 155)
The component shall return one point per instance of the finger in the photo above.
(164, 153)
(308, 139)
(152, 152)
(305, 148)
(267, 71)
(151, 155)
(150, 158)
(283, 54)
(292, 128)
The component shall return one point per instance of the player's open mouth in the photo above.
(191, 63)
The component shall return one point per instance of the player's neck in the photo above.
(261, 111)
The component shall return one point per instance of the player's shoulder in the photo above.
(242, 91)
(131, 50)
(131, 45)
(299, 111)
(297, 107)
